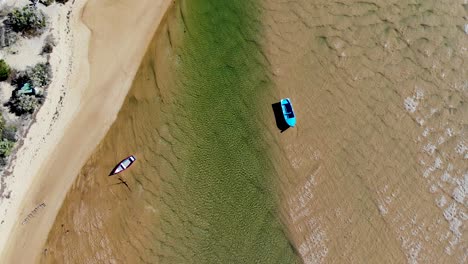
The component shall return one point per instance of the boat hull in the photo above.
(288, 112)
(123, 165)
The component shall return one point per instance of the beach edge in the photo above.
(47, 163)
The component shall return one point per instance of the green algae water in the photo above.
(229, 214)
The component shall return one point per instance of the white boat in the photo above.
(123, 165)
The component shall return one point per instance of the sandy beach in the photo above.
(99, 47)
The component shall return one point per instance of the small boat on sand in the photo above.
(288, 112)
(123, 165)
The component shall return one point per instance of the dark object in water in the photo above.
(123, 165)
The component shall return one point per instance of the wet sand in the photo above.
(113, 218)
(187, 201)
(377, 163)
(374, 172)
(99, 89)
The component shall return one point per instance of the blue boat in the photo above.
(288, 112)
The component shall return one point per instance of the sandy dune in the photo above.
(106, 52)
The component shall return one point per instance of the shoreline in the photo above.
(25, 123)
(54, 149)
(46, 125)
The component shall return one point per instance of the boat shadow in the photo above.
(279, 118)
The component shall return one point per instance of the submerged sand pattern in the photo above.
(375, 171)
(202, 182)
(380, 90)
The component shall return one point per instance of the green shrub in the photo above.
(2, 123)
(37, 76)
(8, 137)
(4, 70)
(40, 74)
(23, 103)
(9, 133)
(49, 44)
(19, 78)
(46, 2)
(28, 19)
(5, 147)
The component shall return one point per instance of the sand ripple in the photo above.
(375, 171)
(380, 89)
